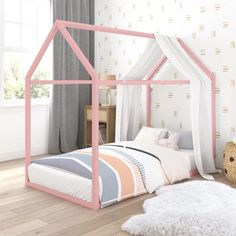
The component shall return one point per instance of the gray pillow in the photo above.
(185, 140)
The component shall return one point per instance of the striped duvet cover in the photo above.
(126, 169)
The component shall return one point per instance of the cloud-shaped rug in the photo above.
(194, 208)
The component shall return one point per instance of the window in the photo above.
(24, 25)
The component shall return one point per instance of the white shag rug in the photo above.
(193, 208)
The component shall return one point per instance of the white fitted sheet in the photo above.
(191, 157)
(72, 184)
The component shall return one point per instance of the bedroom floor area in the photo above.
(24, 211)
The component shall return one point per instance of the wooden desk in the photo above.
(107, 117)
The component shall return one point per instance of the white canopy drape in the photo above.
(129, 98)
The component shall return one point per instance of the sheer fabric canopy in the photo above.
(129, 99)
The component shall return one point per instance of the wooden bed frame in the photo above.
(61, 26)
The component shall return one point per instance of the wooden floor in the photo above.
(28, 212)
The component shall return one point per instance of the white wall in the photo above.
(208, 27)
(12, 133)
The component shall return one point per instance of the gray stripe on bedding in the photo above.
(108, 177)
(66, 164)
(132, 159)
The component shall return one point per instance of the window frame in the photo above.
(17, 102)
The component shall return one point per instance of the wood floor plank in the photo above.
(13, 180)
(22, 228)
(7, 215)
(108, 229)
(14, 192)
(60, 215)
(25, 202)
(54, 208)
(12, 187)
(22, 217)
(37, 206)
(17, 171)
(18, 197)
(58, 226)
(8, 165)
(13, 222)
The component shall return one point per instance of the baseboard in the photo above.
(18, 154)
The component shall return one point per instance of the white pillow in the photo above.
(150, 135)
(185, 139)
(171, 141)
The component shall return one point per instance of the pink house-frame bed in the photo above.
(61, 26)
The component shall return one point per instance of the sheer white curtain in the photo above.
(129, 97)
(200, 86)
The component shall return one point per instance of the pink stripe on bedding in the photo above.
(124, 173)
(128, 173)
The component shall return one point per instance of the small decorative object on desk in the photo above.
(230, 161)
(107, 120)
(107, 88)
(102, 133)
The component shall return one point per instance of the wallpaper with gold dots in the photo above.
(207, 26)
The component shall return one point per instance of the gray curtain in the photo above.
(67, 101)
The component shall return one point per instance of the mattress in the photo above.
(61, 181)
(193, 167)
(76, 185)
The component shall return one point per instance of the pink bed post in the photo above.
(95, 111)
(95, 141)
(28, 99)
(148, 89)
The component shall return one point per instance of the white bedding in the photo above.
(191, 158)
(180, 165)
